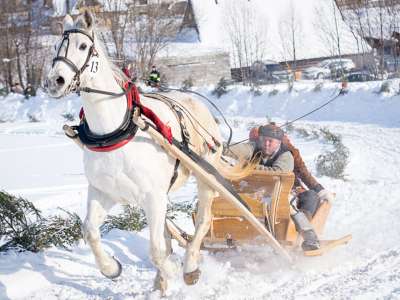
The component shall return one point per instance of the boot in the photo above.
(304, 227)
(311, 241)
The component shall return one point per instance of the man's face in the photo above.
(269, 145)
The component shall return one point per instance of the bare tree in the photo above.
(152, 27)
(115, 17)
(21, 48)
(248, 35)
(7, 50)
(291, 33)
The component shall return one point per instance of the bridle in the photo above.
(74, 85)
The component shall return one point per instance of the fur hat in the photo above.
(271, 131)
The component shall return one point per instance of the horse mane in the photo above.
(119, 76)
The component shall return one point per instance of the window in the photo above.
(141, 2)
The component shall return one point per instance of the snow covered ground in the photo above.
(40, 164)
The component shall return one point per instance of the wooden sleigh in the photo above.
(267, 194)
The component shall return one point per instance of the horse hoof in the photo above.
(192, 277)
(117, 273)
(160, 284)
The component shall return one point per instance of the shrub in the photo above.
(187, 207)
(289, 127)
(333, 163)
(221, 88)
(132, 219)
(68, 116)
(33, 119)
(330, 137)
(187, 84)
(23, 228)
(273, 92)
(59, 231)
(302, 132)
(318, 87)
(256, 90)
(385, 87)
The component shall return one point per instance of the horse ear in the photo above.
(85, 21)
(68, 23)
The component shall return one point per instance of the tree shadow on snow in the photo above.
(3, 292)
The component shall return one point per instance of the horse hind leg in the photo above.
(203, 220)
(98, 206)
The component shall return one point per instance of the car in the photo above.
(360, 75)
(277, 72)
(329, 68)
(391, 63)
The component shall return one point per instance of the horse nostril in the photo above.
(60, 80)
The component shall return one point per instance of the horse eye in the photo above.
(82, 47)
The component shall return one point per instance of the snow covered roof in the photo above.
(315, 21)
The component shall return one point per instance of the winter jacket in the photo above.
(302, 175)
(155, 76)
(282, 160)
(300, 170)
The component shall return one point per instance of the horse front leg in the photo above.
(203, 219)
(160, 242)
(98, 206)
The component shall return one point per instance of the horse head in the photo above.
(73, 55)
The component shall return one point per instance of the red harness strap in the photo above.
(132, 98)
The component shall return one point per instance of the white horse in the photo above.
(139, 172)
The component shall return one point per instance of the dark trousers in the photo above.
(308, 202)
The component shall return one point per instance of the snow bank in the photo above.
(362, 104)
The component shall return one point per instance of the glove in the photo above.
(325, 195)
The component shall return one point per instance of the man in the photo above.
(154, 77)
(274, 155)
(305, 184)
(29, 91)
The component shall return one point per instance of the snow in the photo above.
(42, 165)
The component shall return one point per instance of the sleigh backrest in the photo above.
(267, 195)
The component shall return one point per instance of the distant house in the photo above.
(378, 23)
